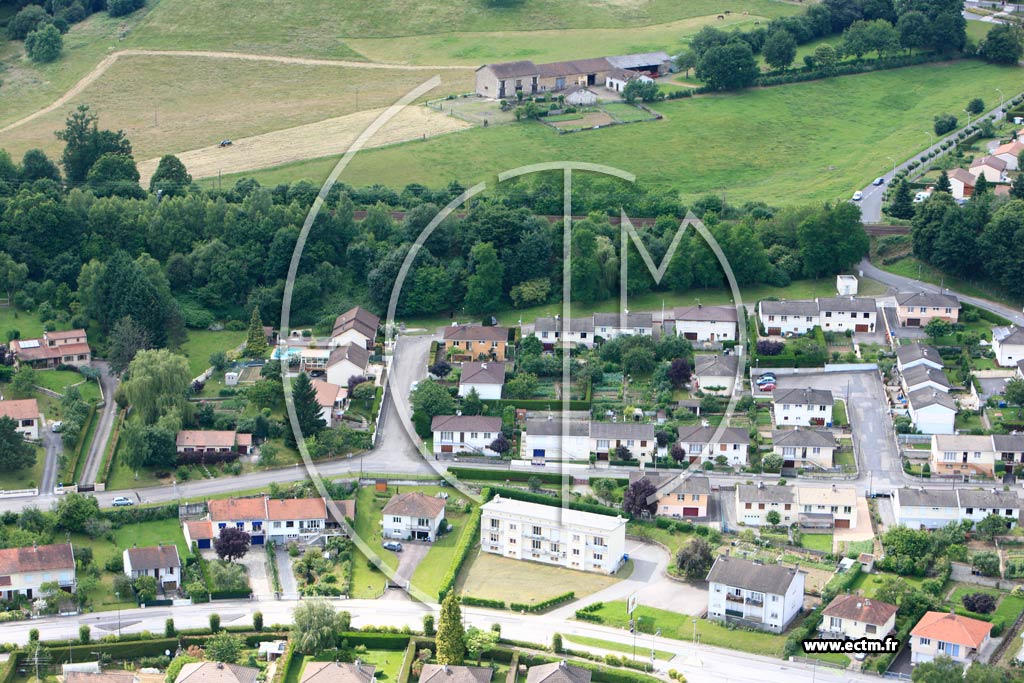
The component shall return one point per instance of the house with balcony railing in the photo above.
(754, 595)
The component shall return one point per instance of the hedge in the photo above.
(600, 673)
(12, 667)
(376, 641)
(857, 67)
(506, 475)
(284, 664)
(133, 649)
(482, 602)
(466, 543)
(529, 497)
(543, 604)
(137, 514)
(230, 595)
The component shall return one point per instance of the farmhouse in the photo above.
(924, 377)
(553, 333)
(345, 362)
(705, 323)
(605, 437)
(465, 434)
(356, 326)
(508, 79)
(917, 309)
(911, 355)
(715, 374)
(1008, 345)
(24, 570)
(216, 672)
(53, 349)
(476, 342)
(754, 595)
(487, 378)
(961, 184)
(338, 672)
(679, 496)
(413, 516)
(854, 616)
(992, 167)
(931, 411)
(160, 561)
(704, 444)
(331, 399)
(948, 634)
(552, 535)
(788, 317)
(552, 438)
(25, 413)
(755, 501)
(608, 326)
(814, 448)
(210, 441)
(802, 407)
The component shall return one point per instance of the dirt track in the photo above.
(107, 62)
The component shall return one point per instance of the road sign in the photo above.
(631, 603)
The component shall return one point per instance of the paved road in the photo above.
(54, 447)
(289, 586)
(91, 467)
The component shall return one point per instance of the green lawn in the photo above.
(162, 532)
(857, 121)
(968, 421)
(869, 583)
(626, 113)
(388, 662)
(59, 380)
(680, 627)
(28, 324)
(846, 460)
(432, 569)
(911, 267)
(29, 477)
(492, 577)
(822, 542)
(643, 647)
(201, 344)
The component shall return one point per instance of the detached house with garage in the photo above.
(932, 411)
(160, 561)
(301, 520)
(842, 313)
(810, 448)
(1008, 345)
(473, 434)
(26, 416)
(705, 323)
(331, 399)
(487, 378)
(715, 374)
(343, 362)
(783, 318)
(24, 570)
(606, 437)
(853, 616)
(754, 595)
(802, 407)
(476, 342)
(356, 326)
(704, 444)
(552, 438)
(962, 454)
(413, 516)
(947, 634)
(678, 495)
(210, 441)
(921, 508)
(917, 309)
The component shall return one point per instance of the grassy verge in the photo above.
(491, 577)
(643, 648)
(83, 451)
(911, 267)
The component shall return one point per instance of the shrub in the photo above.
(979, 603)
(766, 347)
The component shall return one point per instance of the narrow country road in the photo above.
(54, 448)
(109, 382)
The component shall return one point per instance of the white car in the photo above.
(858, 195)
(57, 426)
(122, 501)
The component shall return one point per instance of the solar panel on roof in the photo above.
(29, 344)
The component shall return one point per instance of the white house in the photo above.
(611, 325)
(617, 79)
(264, 519)
(554, 334)
(331, 399)
(552, 438)
(580, 97)
(853, 617)
(715, 374)
(1008, 345)
(350, 360)
(1009, 449)
(160, 561)
(754, 595)
(26, 416)
(1009, 153)
(781, 318)
(487, 377)
(992, 167)
(24, 570)
(802, 407)
(605, 437)
(977, 504)
(921, 508)
(465, 434)
(356, 326)
(552, 535)
(755, 501)
(932, 411)
(700, 444)
(924, 377)
(706, 323)
(961, 454)
(950, 635)
(413, 516)
(912, 355)
(842, 313)
(811, 448)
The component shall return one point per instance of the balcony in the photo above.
(754, 602)
(733, 598)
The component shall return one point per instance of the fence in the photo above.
(19, 493)
(913, 438)
(963, 573)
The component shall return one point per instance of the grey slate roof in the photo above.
(575, 67)
(558, 672)
(716, 366)
(632, 61)
(465, 423)
(988, 498)
(698, 434)
(929, 498)
(615, 320)
(523, 67)
(476, 333)
(438, 673)
(771, 579)
(621, 430)
(700, 313)
(928, 299)
(549, 324)
(354, 353)
(769, 493)
(803, 397)
(1008, 335)
(338, 672)
(923, 398)
(912, 352)
(1008, 443)
(487, 372)
(540, 426)
(848, 304)
(924, 373)
(154, 557)
(799, 308)
(800, 438)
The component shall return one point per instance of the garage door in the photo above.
(690, 512)
(257, 540)
(446, 449)
(913, 322)
(775, 331)
(862, 328)
(842, 524)
(203, 543)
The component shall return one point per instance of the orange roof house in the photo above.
(949, 634)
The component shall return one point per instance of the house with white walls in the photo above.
(802, 407)
(751, 594)
(486, 377)
(454, 434)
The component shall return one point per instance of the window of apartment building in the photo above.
(423, 521)
(396, 520)
(575, 551)
(535, 545)
(599, 541)
(536, 531)
(495, 524)
(494, 538)
(511, 527)
(554, 547)
(576, 538)
(598, 557)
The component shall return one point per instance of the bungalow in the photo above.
(715, 374)
(961, 183)
(23, 571)
(160, 561)
(1009, 449)
(454, 434)
(553, 333)
(948, 634)
(853, 617)
(992, 167)
(921, 508)
(558, 672)
(606, 437)
(834, 506)
(53, 349)
(356, 326)
(755, 501)
(611, 325)
(213, 441)
(476, 342)
(842, 313)
(338, 672)
(617, 79)
(706, 323)
(700, 444)
(916, 309)
(1008, 345)
(414, 516)
(331, 399)
(447, 673)
(962, 454)
(487, 378)
(1010, 154)
(931, 411)
(802, 407)
(754, 595)
(344, 362)
(216, 672)
(813, 448)
(552, 438)
(25, 413)
(781, 318)
(678, 495)
(924, 377)
(296, 520)
(911, 355)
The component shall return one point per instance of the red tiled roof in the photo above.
(199, 438)
(414, 505)
(327, 394)
(67, 334)
(233, 509)
(199, 529)
(44, 352)
(296, 508)
(952, 628)
(859, 608)
(23, 409)
(36, 558)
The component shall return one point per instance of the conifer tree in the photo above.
(451, 637)
(256, 342)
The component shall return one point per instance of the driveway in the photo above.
(289, 586)
(410, 557)
(105, 423)
(255, 563)
(54, 447)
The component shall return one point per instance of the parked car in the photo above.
(879, 181)
(393, 546)
(57, 426)
(225, 143)
(766, 387)
(122, 501)
(858, 195)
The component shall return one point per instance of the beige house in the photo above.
(755, 501)
(678, 495)
(962, 454)
(1010, 154)
(916, 309)
(950, 635)
(605, 437)
(992, 167)
(355, 326)
(213, 441)
(26, 416)
(854, 616)
(476, 342)
(834, 506)
(53, 349)
(961, 183)
(814, 448)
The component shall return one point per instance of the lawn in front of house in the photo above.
(27, 477)
(616, 647)
(822, 542)
(161, 532)
(839, 413)
(60, 380)
(493, 577)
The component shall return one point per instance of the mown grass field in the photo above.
(799, 143)
(492, 577)
(201, 344)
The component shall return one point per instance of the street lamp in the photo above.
(653, 636)
(117, 595)
(968, 118)
(931, 137)
(1001, 98)
(893, 166)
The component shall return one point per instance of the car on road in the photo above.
(57, 426)
(393, 546)
(225, 143)
(879, 181)
(122, 501)
(858, 195)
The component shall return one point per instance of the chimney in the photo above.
(700, 306)
(220, 665)
(833, 487)
(359, 665)
(760, 484)
(458, 413)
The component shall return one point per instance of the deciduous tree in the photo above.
(231, 544)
